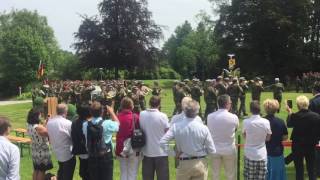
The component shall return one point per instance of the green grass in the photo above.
(17, 114)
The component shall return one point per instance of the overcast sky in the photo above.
(63, 15)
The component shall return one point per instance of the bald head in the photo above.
(62, 109)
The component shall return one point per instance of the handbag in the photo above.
(138, 139)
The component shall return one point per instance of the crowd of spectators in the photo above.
(186, 138)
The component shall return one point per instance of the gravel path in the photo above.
(3, 103)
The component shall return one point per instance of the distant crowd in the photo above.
(149, 138)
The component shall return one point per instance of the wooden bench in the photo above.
(20, 132)
(22, 142)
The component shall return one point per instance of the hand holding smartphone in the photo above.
(289, 103)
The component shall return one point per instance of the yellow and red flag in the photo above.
(40, 72)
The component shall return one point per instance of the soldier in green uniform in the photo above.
(220, 86)
(156, 90)
(234, 90)
(256, 89)
(142, 99)
(121, 93)
(86, 93)
(242, 97)
(134, 95)
(180, 94)
(175, 87)
(277, 89)
(186, 87)
(196, 92)
(210, 98)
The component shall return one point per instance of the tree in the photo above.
(266, 33)
(193, 52)
(25, 40)
(121, 37)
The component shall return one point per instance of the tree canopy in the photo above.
(122, 36)
(25, 40)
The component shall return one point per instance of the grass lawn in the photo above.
(17, 114)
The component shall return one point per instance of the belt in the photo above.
(192, 158)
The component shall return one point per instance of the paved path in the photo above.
(3, 103)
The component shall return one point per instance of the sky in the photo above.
(64, 15)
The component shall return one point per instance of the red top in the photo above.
(125, 129)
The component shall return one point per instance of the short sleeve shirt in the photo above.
(154, 124)
(256, 129)
(279, 129)
(109, 127)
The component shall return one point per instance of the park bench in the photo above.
(20, 132)
(22, 142)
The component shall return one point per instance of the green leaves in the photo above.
(25, 39)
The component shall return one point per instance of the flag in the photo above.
(40, 72)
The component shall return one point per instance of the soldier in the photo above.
(156, 90)
(186, 87)
(86, 93)
(174, 94)
(196, 92)
(234, 90)
(244, 87)
(210, 98)
(277, 90)
(180, 94)
(220, 86)
(121, 93)
(134, 95)
(142, 94)
(297, 84)
(256, 89)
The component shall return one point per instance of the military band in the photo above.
(84, 92)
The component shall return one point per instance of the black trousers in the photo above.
(158, 165)
(101, 168)
(84, 169)
(66, 169)
(306, 152)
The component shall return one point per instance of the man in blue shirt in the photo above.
(9, 154)
(102, 167)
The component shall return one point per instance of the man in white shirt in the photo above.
(59, 131)
(154, 124)
(194, 143)
(223, 125)
(9, 154)
(256, 131)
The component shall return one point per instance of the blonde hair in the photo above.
(126, 103)
(271, 106)
(302, 102)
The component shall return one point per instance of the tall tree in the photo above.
(122, 36)
(265, 33)
(25, 40)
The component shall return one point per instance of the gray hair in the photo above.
(192, 109)
(185, 102)
(223, 101)
(62, 109)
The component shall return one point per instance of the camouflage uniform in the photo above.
(156, 90)
(210, 98)
(234, 90)
(256, 89)
(196, 93)
(244, 87)
(278, 89)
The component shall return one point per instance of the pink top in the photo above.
(125, 129)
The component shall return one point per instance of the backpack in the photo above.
(138, 139)
(95, 141)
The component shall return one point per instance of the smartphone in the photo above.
(289, 103)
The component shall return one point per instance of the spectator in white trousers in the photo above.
(223, 125)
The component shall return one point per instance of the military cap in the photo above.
(219, 78)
